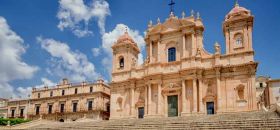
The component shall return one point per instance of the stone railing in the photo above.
(278, 108)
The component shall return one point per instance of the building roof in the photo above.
(237, 11)
(3, 99)
(274, 80)
(125, 38)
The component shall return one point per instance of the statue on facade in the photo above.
(217, 48)
(133, 63)
(147, 61)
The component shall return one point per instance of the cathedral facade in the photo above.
(179, 77)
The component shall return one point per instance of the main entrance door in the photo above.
(140, 112)
(172, 106)
(210, 108)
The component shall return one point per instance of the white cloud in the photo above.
(12, 67)
(24, 92)
(96, 51)
(140, 59)
(76, 15)
(110, 38)
(66, 63)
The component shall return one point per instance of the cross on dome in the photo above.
(236, 3)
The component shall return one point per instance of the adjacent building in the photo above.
(3, 107)
(18, 108)
(64, 102)
(261, 84)
(271, 94)
(181, 78)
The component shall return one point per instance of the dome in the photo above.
(238, 10)
(125, 38)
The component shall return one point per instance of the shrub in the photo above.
(4, 121)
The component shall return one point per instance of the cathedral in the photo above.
(179, 77)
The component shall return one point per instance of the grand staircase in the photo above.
(245, 120)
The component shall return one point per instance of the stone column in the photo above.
(151, 52)
(193, 45)
(165, 106)
(146, 101)
(254, 102)
(184, 96)
(219, 95)
(184, 45)
(227, 42)
(194, 110)
(159, 99)
(201, 106)
(250, 38)
(132, 104)
(149, 98)
(158, 51)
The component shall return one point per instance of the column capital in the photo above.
(147, 84)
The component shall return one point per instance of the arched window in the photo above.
(51, 93)
(121, 62)
(171, 54)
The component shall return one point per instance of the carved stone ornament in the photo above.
(171, 87)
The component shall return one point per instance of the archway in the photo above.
(61, 120)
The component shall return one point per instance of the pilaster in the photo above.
(194, 110)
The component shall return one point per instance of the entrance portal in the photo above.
(140, 112)
(210, 108)
(172, 106)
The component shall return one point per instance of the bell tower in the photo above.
(125, 54)
(237, 29)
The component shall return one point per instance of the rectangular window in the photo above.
(61, 108)
(50, 109)
(39, 95)
(63, 92)
(51, 93)
(37, 110)
(75, 107)
(171, 54)
(89, 105)
(76, 90)
(13, 114)
(21, 112)
(91, 89)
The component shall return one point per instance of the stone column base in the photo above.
(153, 116)
(185, 114)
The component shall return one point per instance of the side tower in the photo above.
(237, 29)
(125, 54)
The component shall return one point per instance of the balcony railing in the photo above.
(44, 111)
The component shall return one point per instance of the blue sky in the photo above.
(36, 22)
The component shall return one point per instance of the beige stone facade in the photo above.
(18, 108)
(65, 102)
(3, 107)
(261, 84)
(271, 95)
(179, 77)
